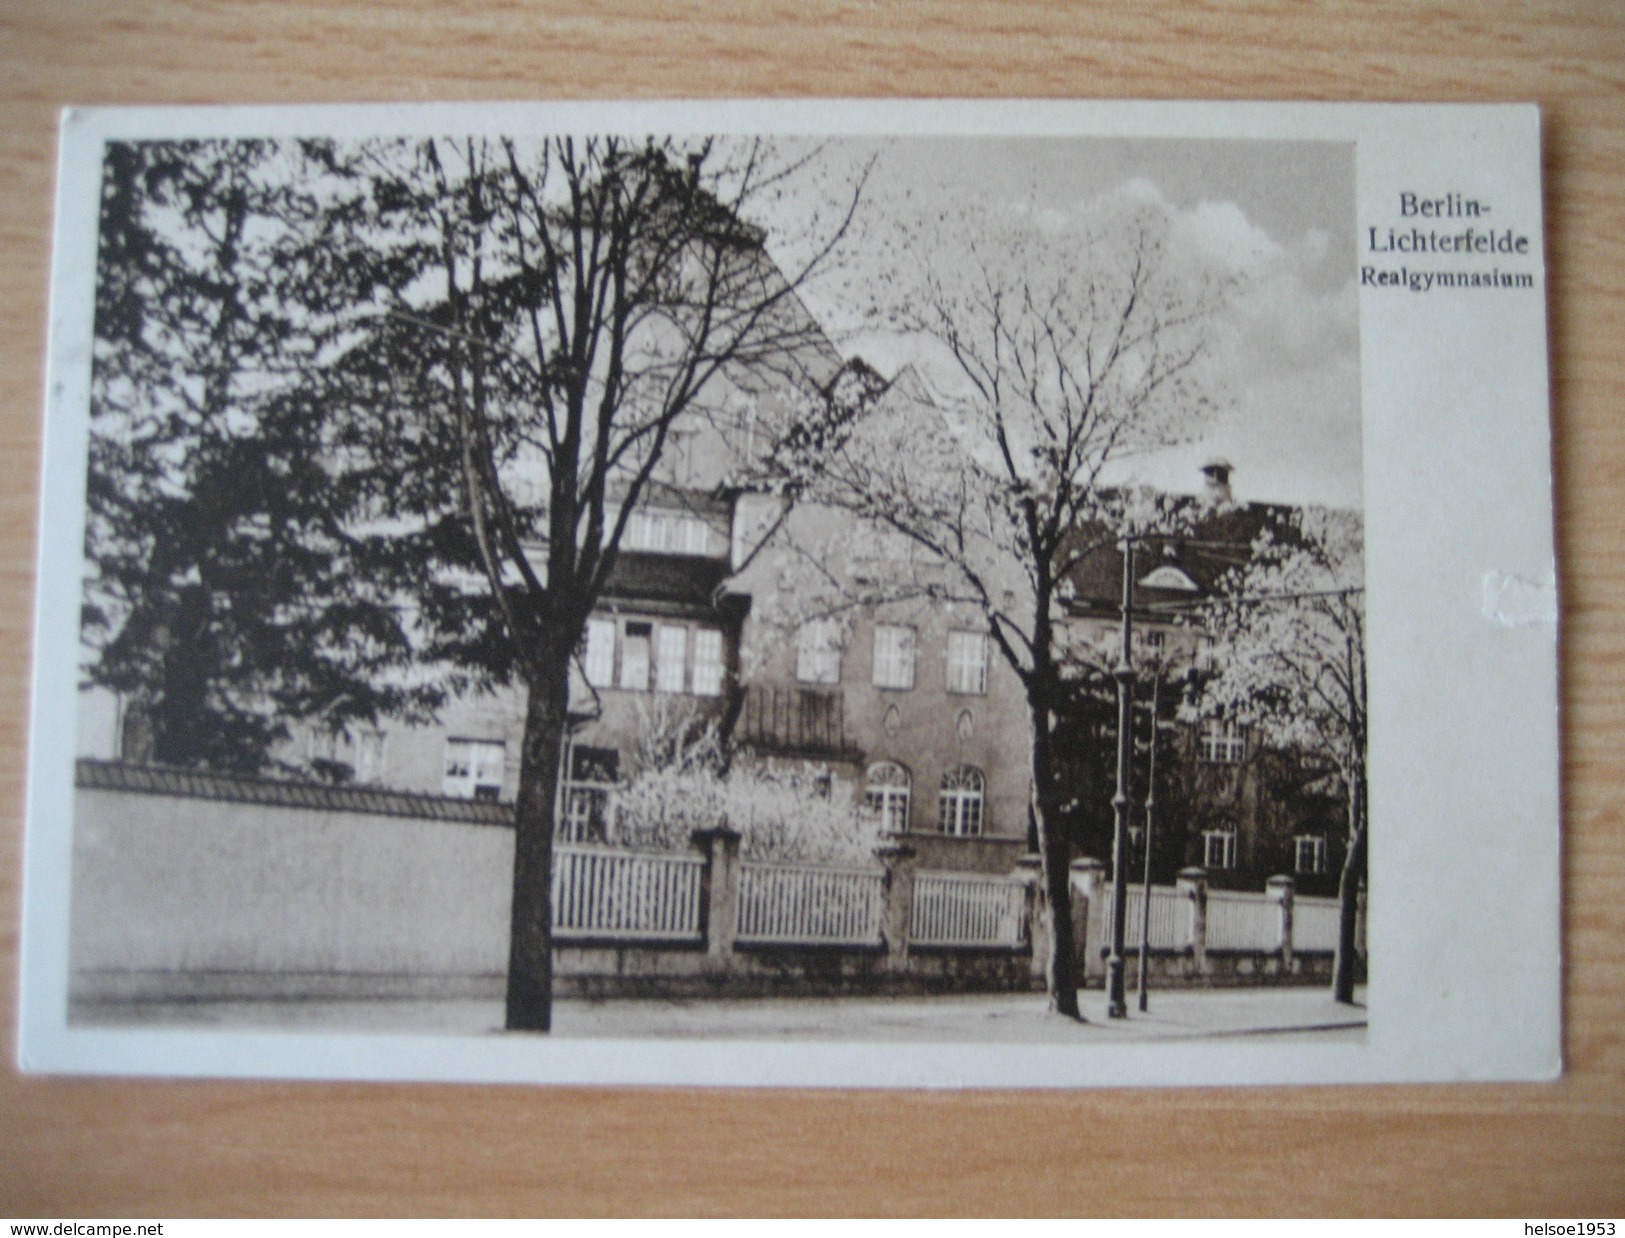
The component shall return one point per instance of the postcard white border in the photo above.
(1464, 866)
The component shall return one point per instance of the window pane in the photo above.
(474, 768)
(707, 662)
(635, 658)
(369, 755)
(1311, 857)
(818, 653)
(589, 781)
(967, 662)
(959, 804)
(670, 659)
(894, 657)
(1223, 743)
(1219, 848)
(653, 531)
(886, 795)
(693, 536)
(600, 661)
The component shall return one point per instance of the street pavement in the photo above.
(1293, 1014)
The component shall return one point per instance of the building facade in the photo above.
(1224, 801)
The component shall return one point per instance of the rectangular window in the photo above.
(589, 782)
(323, 746)
(818, 653)
(1219, 848)
(670, 657)
(959, 811)
(474, 769)
(707, 662)
(894, 657)
(649, 531)
(349, 756)
(600, 660)
(1311, 853)
(369, 755)
(967, 662)
(635, 657)
(1222, 743)
(693, 536)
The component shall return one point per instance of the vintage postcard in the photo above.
(823, 593)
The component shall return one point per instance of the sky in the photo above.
(1278, 215)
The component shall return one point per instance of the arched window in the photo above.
(959, 804)
(885, 793)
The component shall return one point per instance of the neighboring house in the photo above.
(1225, 802)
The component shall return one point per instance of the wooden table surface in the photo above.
(143, 1149)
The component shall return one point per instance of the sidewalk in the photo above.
(1278, 1013)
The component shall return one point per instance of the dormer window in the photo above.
(1169, 577)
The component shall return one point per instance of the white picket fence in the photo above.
(1240, 921)
(803, 904)
(1170, 917)
(1314, 923)
(953, 909)
(601, 892)
(604, 892)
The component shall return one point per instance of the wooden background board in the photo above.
(76, 1148)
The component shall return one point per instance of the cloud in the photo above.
(1219, 234)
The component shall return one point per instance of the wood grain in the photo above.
(84, 1148)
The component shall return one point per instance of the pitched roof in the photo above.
(1219, 539)
(684, 580)
(241, 789)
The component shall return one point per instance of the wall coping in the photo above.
(95, 775)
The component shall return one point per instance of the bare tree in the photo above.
(541, 318)
(1059, 351)
(1289, 655)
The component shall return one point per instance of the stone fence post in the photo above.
(1088, 898)
(1192, 883)
(719, 892)
(1279, 890)
(897, 915)
(1029, 871)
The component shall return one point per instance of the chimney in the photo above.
(1216, 481)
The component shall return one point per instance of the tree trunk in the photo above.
(1348, 897)
(530, 945)
(180, 719)
(1061, 977)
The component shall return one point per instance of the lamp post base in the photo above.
(1116, 1006)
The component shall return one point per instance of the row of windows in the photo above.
(665, 657)
(668, 533)
(474, 770)
(1308, 851)
(896, 654)
(590, 777)
(961, 798)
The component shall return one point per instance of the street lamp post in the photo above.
(1116, 1005)
(1150, 821)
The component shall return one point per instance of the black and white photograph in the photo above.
(731, 591)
